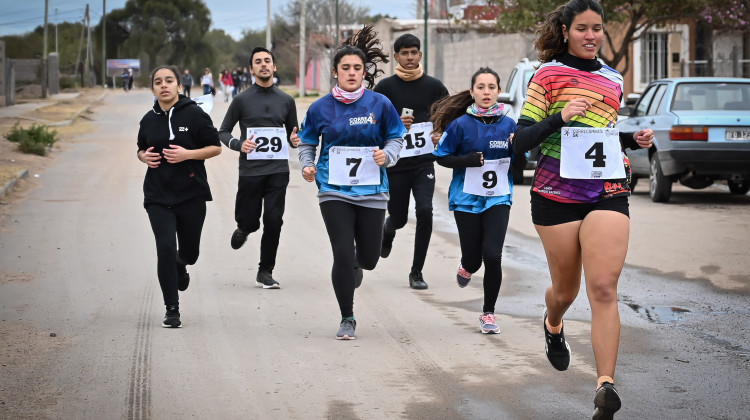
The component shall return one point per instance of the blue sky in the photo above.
(18, 17)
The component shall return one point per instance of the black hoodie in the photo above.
(190, 127)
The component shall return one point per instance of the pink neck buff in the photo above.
(347, 97)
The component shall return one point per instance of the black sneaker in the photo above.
(238, 239)
(387, 245)
(264, 280)
(358, 275)
(183, 277)
(416, 281)
(607, 402)
(172, 317)
(556, 348)
(346, 329)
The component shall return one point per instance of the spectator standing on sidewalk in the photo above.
(187, 82)
(412, 93)
(174, 140)
(267, 117)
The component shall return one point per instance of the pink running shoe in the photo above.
(463, 277)
(487, 323)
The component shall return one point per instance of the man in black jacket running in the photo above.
(267, 118)
(412, 93)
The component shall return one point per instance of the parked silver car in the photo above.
(701, 134)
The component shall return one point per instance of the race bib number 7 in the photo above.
(591, 153)
(348, 166)
(271, 143)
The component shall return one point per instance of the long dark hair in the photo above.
(366, 46)
(446, 110)
(550, 41)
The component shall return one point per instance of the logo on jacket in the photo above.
(498, 144)
(183, 129)
(370, 119)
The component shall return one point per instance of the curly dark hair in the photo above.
(366, 46)
(550, 41)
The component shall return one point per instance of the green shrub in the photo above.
(37, 139)
(68, 82)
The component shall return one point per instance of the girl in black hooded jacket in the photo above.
(174, 140)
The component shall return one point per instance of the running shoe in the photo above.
(238, 238)
(487, 323)
(416, 281)
(387, 245)
(172, 317)
(555, 347)
(606, 402)
(463, 277)
(358, 275)
(346, 329)
(183, 277)
(265, 280)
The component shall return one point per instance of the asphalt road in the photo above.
(78, 262)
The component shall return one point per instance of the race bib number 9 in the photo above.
(490, 180)
(591, 153)
(417, 141)
(271, 143)
(349, 166)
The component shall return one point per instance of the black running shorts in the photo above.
(546, 212)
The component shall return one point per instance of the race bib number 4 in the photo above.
(271, 143)
(489, 180)
(591, 153)
(418, 141)
(349, 166)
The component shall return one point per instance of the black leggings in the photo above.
(172, 225)
(421, 183)
(351, 229)
(482, 236)
(264, 194)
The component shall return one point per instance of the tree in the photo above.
(171, 32)
(633, 17)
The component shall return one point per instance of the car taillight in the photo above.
(688, 133)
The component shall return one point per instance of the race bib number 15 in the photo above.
(418, 141)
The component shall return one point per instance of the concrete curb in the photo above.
(78, 114)
(23, 173)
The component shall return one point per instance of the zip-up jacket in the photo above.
(186, 125)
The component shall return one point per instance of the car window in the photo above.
(656, 101)
(511, 88)
(527, 75)
(645, 101)
(712, 96)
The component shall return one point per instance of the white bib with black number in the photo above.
(418, 141)
(591, 153)
(490, 180)
(350, 166)
(271, 143)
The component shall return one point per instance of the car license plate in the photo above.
(741, 134)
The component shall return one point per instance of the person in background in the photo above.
(476, 143)
(237, 81)
(227, 85)
(174, 140)
(579, 196)
(359, 133)
(207, 81)
(264, 163)
(412, 93)
(187, 82)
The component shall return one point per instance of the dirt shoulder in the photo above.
(66, 115)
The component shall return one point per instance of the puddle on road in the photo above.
(658, 314)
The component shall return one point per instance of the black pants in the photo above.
(421, 183)
(352, 230)
(176, 225)
(266, 195)
(482, 236)
(186, 90)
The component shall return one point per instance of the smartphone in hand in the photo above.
(407, 112)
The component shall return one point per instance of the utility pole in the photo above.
(44, 51)
(337, 23)
(56, 43)
(426, 45)
(302, 67)
(268, 25)
(104, 43)
(86, 62)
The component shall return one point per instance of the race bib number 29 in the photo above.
(591, 153)
(271, 143)
(348, 166)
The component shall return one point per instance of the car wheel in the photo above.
(739, 187)
(660, 186)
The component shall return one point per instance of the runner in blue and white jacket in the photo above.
(359, 133)
(477, 144)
